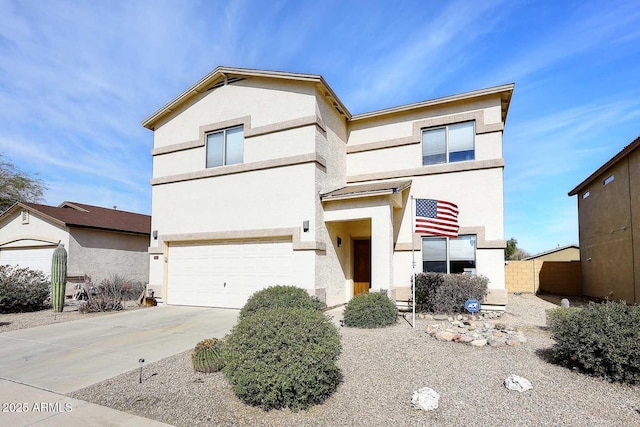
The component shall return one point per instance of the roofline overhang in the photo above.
(505, 91)
(33, 210)
(551, 251)
(373, 193)
(203, 84)
(615, 159)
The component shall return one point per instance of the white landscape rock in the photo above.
(517, 383)
(425, 399)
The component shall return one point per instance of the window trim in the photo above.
(224, 146)
(448, 251)
(446, 142)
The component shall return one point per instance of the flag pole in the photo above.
(413, 261)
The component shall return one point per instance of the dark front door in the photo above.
(361, 266)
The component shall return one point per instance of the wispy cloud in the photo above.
(428, 50)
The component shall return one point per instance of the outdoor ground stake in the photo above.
(141, 362)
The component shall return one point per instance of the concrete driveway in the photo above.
(68, 356)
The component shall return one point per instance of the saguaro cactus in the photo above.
(58, 277)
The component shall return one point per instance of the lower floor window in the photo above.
(447, 255)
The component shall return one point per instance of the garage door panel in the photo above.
(226, 274)
(33, 258)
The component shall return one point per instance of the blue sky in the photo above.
(77, 77)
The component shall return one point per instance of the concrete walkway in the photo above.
(39, 365)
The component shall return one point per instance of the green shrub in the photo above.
(447, 293)
(280, 296)
(207, 356)
(600, 339)
(22, 289)
(111, 294)
(283, 358)
(373, 310)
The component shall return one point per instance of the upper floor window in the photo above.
(608, 179)
(447, 255)
(447, 144)
(225, 147)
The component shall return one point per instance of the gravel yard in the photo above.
(381, 369)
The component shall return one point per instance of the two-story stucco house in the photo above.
(263, 178)
(608, 217)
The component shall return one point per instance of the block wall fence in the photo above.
(534, 276)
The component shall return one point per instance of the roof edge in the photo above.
(550, 251)
(506, 89)
(17, 205)
(623, 153)
(222, 71)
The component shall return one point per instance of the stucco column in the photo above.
(381, 249)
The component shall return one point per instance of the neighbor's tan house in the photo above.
(561, 253)
(99, 241)
(263, 178)
(609, 227)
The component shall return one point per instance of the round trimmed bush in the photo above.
(23, 289)
(599, 339)
(207, 356)
(280, 296)
(283, 358)
(374, 310)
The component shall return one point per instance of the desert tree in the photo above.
(18, 186)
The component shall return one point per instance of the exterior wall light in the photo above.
(339, 241)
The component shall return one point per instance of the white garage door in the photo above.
(33, 258)
(225, 274)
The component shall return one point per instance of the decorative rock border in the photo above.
(476, 333)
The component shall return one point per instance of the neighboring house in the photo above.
(263, 178)
(561, 253)
(99, 241)
(609, 225)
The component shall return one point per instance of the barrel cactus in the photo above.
(58, 277)
(207, 357)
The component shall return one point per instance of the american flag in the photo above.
(436, 218)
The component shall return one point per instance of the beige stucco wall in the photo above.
(272, 198)
(606, 234)
(38, 232)
(330, 144)
(276, 145)
(487, 146)
(267, 101)
(634, 183)
(401, 125)
(101, 254)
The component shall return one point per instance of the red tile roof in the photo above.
(80, 215)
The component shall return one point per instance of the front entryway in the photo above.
(361, 266)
